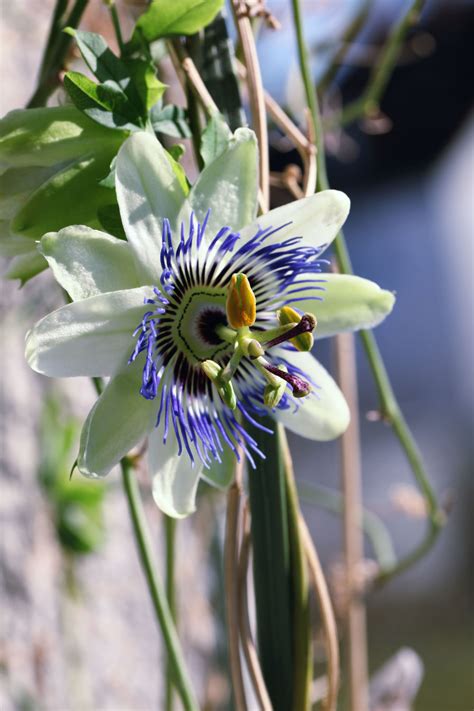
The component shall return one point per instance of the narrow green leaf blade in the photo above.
(271, 566)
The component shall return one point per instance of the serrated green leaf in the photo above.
(180, 17)
(215, 139)
(99, 102)
(170, 120)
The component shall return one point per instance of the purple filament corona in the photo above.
(187, 402)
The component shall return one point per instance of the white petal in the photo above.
(317, 219)
(322, 416)
(221, 474)
(119, 420)
(175, 478)
(87, 262)
(147, 192)
(229, 186)
(349, 304)
(90, 337)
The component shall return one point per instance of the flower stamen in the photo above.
(300, 387)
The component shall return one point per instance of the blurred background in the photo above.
(77, 624)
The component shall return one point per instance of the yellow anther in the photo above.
(304, 341)
(241, 304)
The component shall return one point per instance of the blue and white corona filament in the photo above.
(201, 320)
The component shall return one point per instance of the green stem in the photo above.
(59, 10)
(55, 52)
(372, 525)
(160, 604)
(116, 24)
(271, 565)
(170, 534)
(389, 407)
(350, 34)
(164, 605)
(369, 101)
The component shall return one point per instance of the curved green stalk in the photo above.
(116, 23)
(373, 527)
(389, 407)
(170, 535)
(382, 70)
(157, 594)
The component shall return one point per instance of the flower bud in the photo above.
(241, 304)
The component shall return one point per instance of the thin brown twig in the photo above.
(288, 179)
(305, 146)
(353, 533)
(327, 616)
(231, 558)
(184, 65)
(256, 95)
(248, 646)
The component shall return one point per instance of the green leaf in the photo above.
(272, 567)
(26, 266)
(99, 102)
(178, 169)
(13, 245)
(72, 196)
(133, 80)
(105, 65)
(171, 120)
(177, 151)
(147, 84)
(110, 220)
(215, 139)
(180, 17)
(109, 180)
(48, 136)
